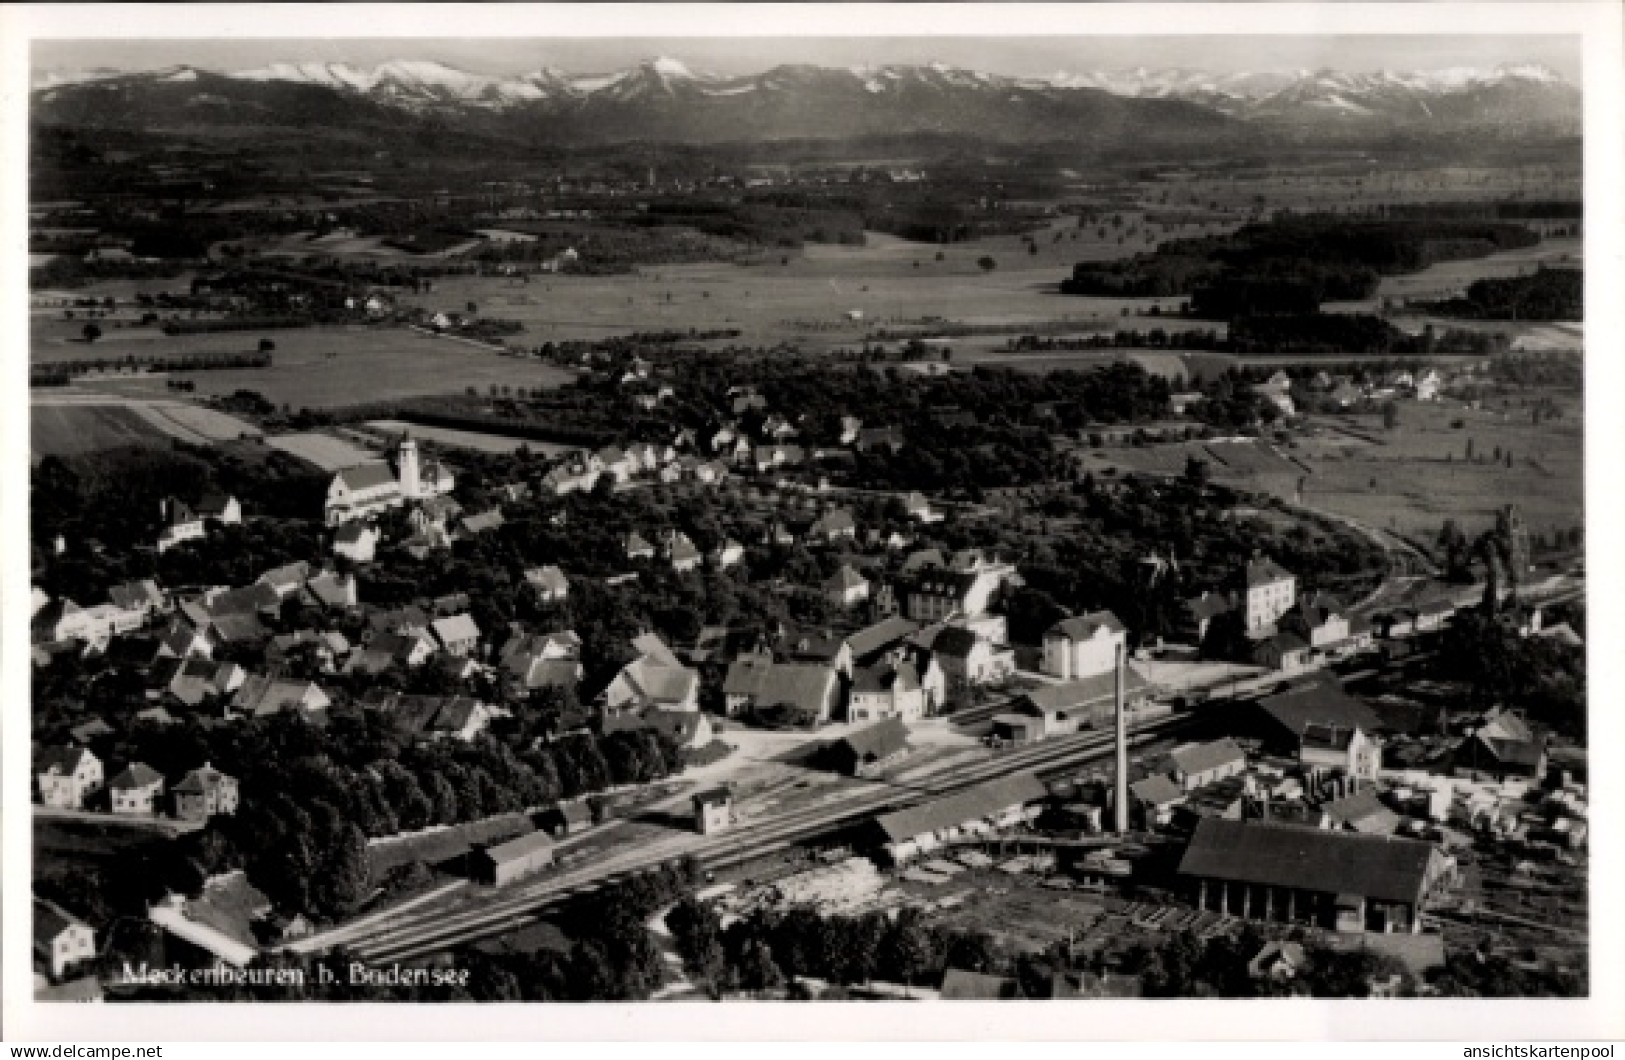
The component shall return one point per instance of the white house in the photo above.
(548, 583)
(262, 696)
(682, 553)
(655, 680)
(846, 587)
(136, 790)
(1271, 592)
(1427, 386)
(61, 940)
(759, 682)
(356, 541)
(887, 690)
(457, 634)
(970, 658)
(360, 491)
(1084, 646)
(66, 775)
(939, 594)
(187, 522)
(637, 547)
(834, 525)
(727, 554)
(919, 507)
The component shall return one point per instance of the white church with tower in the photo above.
(367, 489)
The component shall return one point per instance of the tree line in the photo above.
(1292, 264)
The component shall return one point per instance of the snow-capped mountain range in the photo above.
(412, 81)
(664, 95)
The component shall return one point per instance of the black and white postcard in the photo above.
(892, 503)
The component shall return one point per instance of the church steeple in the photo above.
(407, 467)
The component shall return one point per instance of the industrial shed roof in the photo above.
(1310, 859)
(967, 805)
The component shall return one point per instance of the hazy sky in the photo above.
(1021, 56)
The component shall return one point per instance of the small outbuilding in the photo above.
(860, 753)
(713, 810)
(509, 861)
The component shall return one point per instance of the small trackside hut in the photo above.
(713, 810)
(506, 862)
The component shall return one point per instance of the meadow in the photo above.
(1422, 475)
(1410, 479)
(328, 367)
(62, 430)
(479, 441)
(324, 450)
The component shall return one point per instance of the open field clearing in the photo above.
(177, 419)
(327, 367)
(769, 305)
(1417, 488)
(476, 440)
(301, 245)
(1549, 337)
(1173, 365)
(58, 340)
(46, 300)
(1450, 278)
(1246, 463)
(60, 430)
(215, 426)
(323, 450)
(1408, 480)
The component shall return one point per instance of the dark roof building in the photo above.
(1320, 703)
(869, 643)
(1362, 812)
(861, 751)
(135, 776)
(1264, 571)
(1084, 627)
(1340, 880)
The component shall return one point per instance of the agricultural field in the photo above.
(1177, 366)
(1408, 480)
(805, 299)
(1422, 475)
(62, 430)
(476, 440)
(304, 244)
(324, 450)
(212, 425)
(331, 366)
(1247, 464)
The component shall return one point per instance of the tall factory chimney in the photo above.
(1120, 796)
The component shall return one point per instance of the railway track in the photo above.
(429, 930)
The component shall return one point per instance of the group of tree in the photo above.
(312, 795)
(762, 952)
(199, 362)
(1292, 264)
(1545, 294)
(1189, 966)
(1543, 677)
